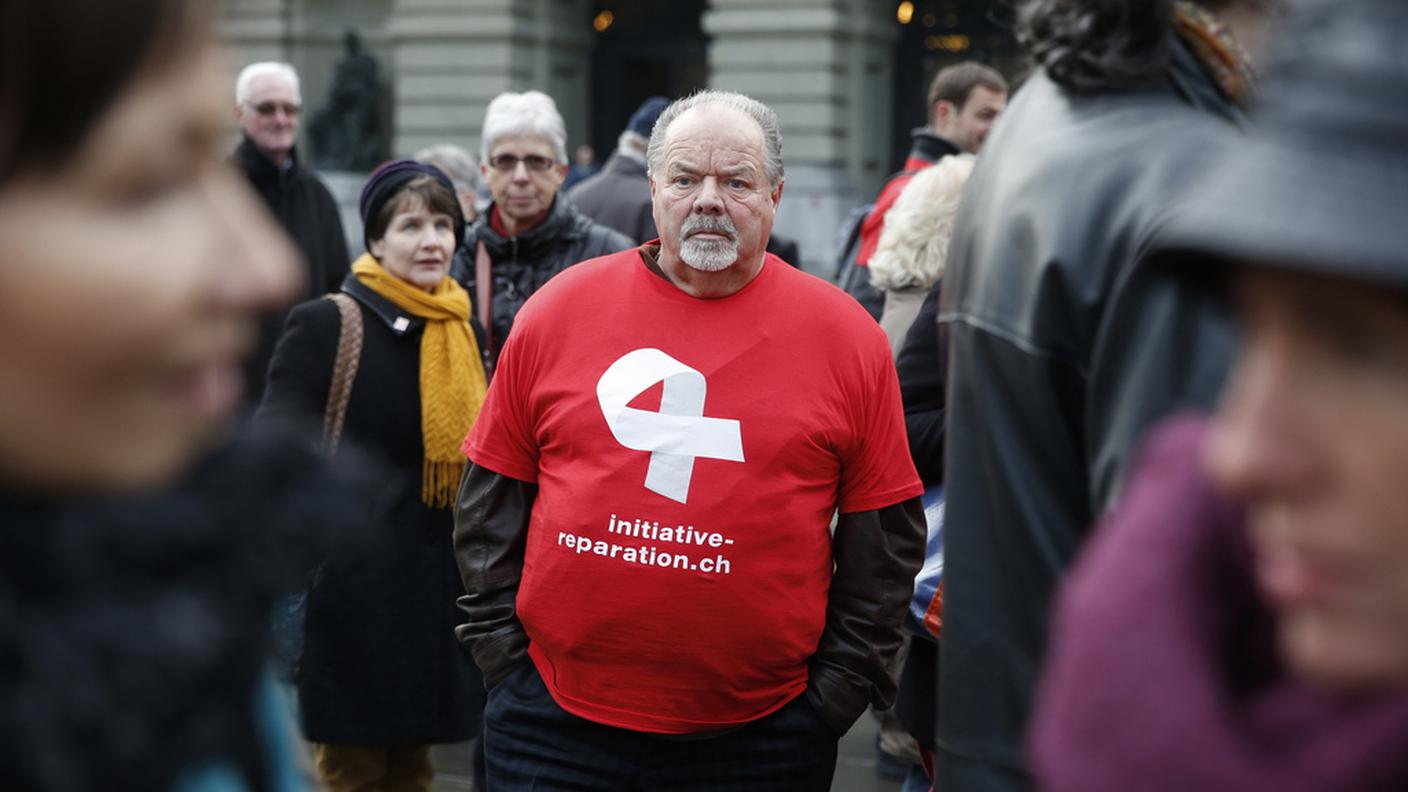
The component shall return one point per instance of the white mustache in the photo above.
(705, 223)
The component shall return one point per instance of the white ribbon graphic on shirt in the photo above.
(675, 436)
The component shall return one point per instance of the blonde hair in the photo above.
(914, 242)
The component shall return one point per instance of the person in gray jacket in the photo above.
(619, 195)
(1064, 348)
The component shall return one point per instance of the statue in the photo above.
(349, 133)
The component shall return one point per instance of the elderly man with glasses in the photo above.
(268, 107)
(527, 235)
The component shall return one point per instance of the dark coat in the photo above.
(786, 249)
(380, 662)
(523, 263)
(922, 364)
(1064, 349)
(619, 197)
(136, 627)
(307, 211)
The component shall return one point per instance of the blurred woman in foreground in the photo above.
(1241, 621)
(140, 550)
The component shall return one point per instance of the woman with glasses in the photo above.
(529, 232)
(382, 675)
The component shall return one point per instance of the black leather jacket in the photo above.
(877, 553)
(523, 263)
(1064, 349)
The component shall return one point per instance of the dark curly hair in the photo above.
(1100, 46)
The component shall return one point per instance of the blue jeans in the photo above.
(532, 743)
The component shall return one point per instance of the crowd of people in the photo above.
(1082, 475)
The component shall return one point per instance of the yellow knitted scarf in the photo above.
(452, 383)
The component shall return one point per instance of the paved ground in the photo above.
(855, 766)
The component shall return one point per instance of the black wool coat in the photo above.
(922, 366)
(308, 212)
(380, 663)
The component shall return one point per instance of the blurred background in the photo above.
(847, 77)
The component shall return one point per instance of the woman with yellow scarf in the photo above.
(382, 676)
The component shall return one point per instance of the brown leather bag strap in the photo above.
(344, 369)
(484, 292)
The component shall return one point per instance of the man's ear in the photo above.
(944, 113)
(776, 195)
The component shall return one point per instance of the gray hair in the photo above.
(632, 144)
(528, 113)
(254, 71)
(759, 112)
(457, 163)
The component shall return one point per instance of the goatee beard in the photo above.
(708, 255)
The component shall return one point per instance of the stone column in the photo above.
(255, 30)
(824, 66)
(562, 62)
(453, 56)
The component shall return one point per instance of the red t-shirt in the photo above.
(689, 455)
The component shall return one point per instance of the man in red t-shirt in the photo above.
(655, 594)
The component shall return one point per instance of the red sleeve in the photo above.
(874, 222)
(504, 439)
(876, 468)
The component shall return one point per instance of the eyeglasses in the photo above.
(269, 108)
(508, 163)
